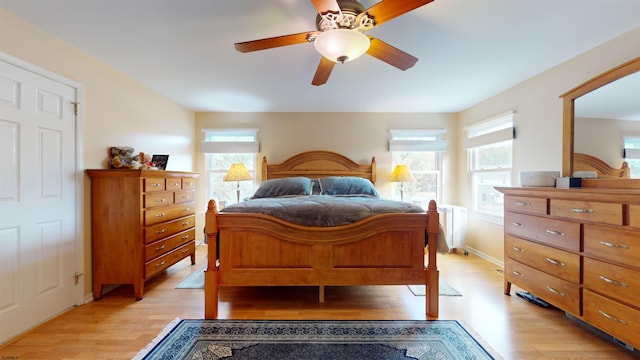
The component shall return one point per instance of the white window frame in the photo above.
(631, 154)
(230, 145)
(427, 141)
(497, 131)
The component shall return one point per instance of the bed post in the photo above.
(432, 274)
(211, 273)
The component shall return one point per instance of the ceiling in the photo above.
(468, 50)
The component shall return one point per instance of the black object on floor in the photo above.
(532, 298)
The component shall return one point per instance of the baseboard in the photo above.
(484, 256)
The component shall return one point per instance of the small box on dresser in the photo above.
(578, 249)
(142, 222)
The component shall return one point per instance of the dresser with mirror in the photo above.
(578, 249)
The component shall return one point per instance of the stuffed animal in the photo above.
(120, 156)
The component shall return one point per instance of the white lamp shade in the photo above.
(342, 45)
(237, 172)
(402, 173)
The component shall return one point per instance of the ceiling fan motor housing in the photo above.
(346, 19)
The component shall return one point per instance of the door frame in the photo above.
(79, 258)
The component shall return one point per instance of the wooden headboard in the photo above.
(584, 162)
(318, 164)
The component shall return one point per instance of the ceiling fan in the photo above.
(340, 37)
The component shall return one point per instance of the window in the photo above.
(489, 145)
(223, 147)
(632, 154)
(421, 151)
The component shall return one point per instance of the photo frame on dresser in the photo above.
(160, 161)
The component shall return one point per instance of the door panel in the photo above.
(37, 198)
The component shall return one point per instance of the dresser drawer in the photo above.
(174, 183)
(158, 264)
(153, 184)
(619, 320)
(162, 246)
(158, 199)
(614, 281)
(634, 216)
(184, 196)
(162, 230)
(553, 290)
(188, 183)
(529, 205)
(606, 213)
(613, 244)
(159, 215)
(560, 263)
(559, 233)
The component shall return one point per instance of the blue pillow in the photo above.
(292, 186)
(347, 185)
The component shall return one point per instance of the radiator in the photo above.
(454, 222)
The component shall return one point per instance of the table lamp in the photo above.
(402, 174)
(237, 172)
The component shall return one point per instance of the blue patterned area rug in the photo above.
(288, 340)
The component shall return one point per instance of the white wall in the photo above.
(356, 135)
(118, 111)
(538, 122)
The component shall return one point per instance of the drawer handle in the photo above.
(554, 232)
(161, 231)
(161, 247)
(185, 251)
(518, 249)
(518, 224)
(583, 211)
(611, 317)
(523, 203)
(185, 237)
(557, 292)
(516, 273)
(154, 185)
(185, 223)
(160, 264)
(613, 282)
(161, 200)
(159, 215)
(186, 209)
(626, 247)
(186, 196)
(175, 184)
(556, 262)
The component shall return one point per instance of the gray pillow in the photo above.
(347, 185)
(292, 186)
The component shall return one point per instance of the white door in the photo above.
(37, 198)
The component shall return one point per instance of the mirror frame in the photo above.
(568, 121)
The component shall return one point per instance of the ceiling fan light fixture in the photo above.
(342, 45)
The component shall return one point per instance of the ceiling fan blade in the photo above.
(274, 42)
(391, 55)
(323, 71)
(388, 10)
(326, 5)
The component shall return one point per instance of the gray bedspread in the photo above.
(322, 210)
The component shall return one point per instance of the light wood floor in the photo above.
(117, 326)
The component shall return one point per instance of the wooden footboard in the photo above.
(260, 250)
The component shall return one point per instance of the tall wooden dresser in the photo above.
(579, 250)
(143, 221)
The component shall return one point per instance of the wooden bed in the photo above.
(261, 250)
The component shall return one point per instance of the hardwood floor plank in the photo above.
(117, 326)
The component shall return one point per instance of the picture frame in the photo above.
(160, 161)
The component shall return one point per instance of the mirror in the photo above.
(596, 113)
